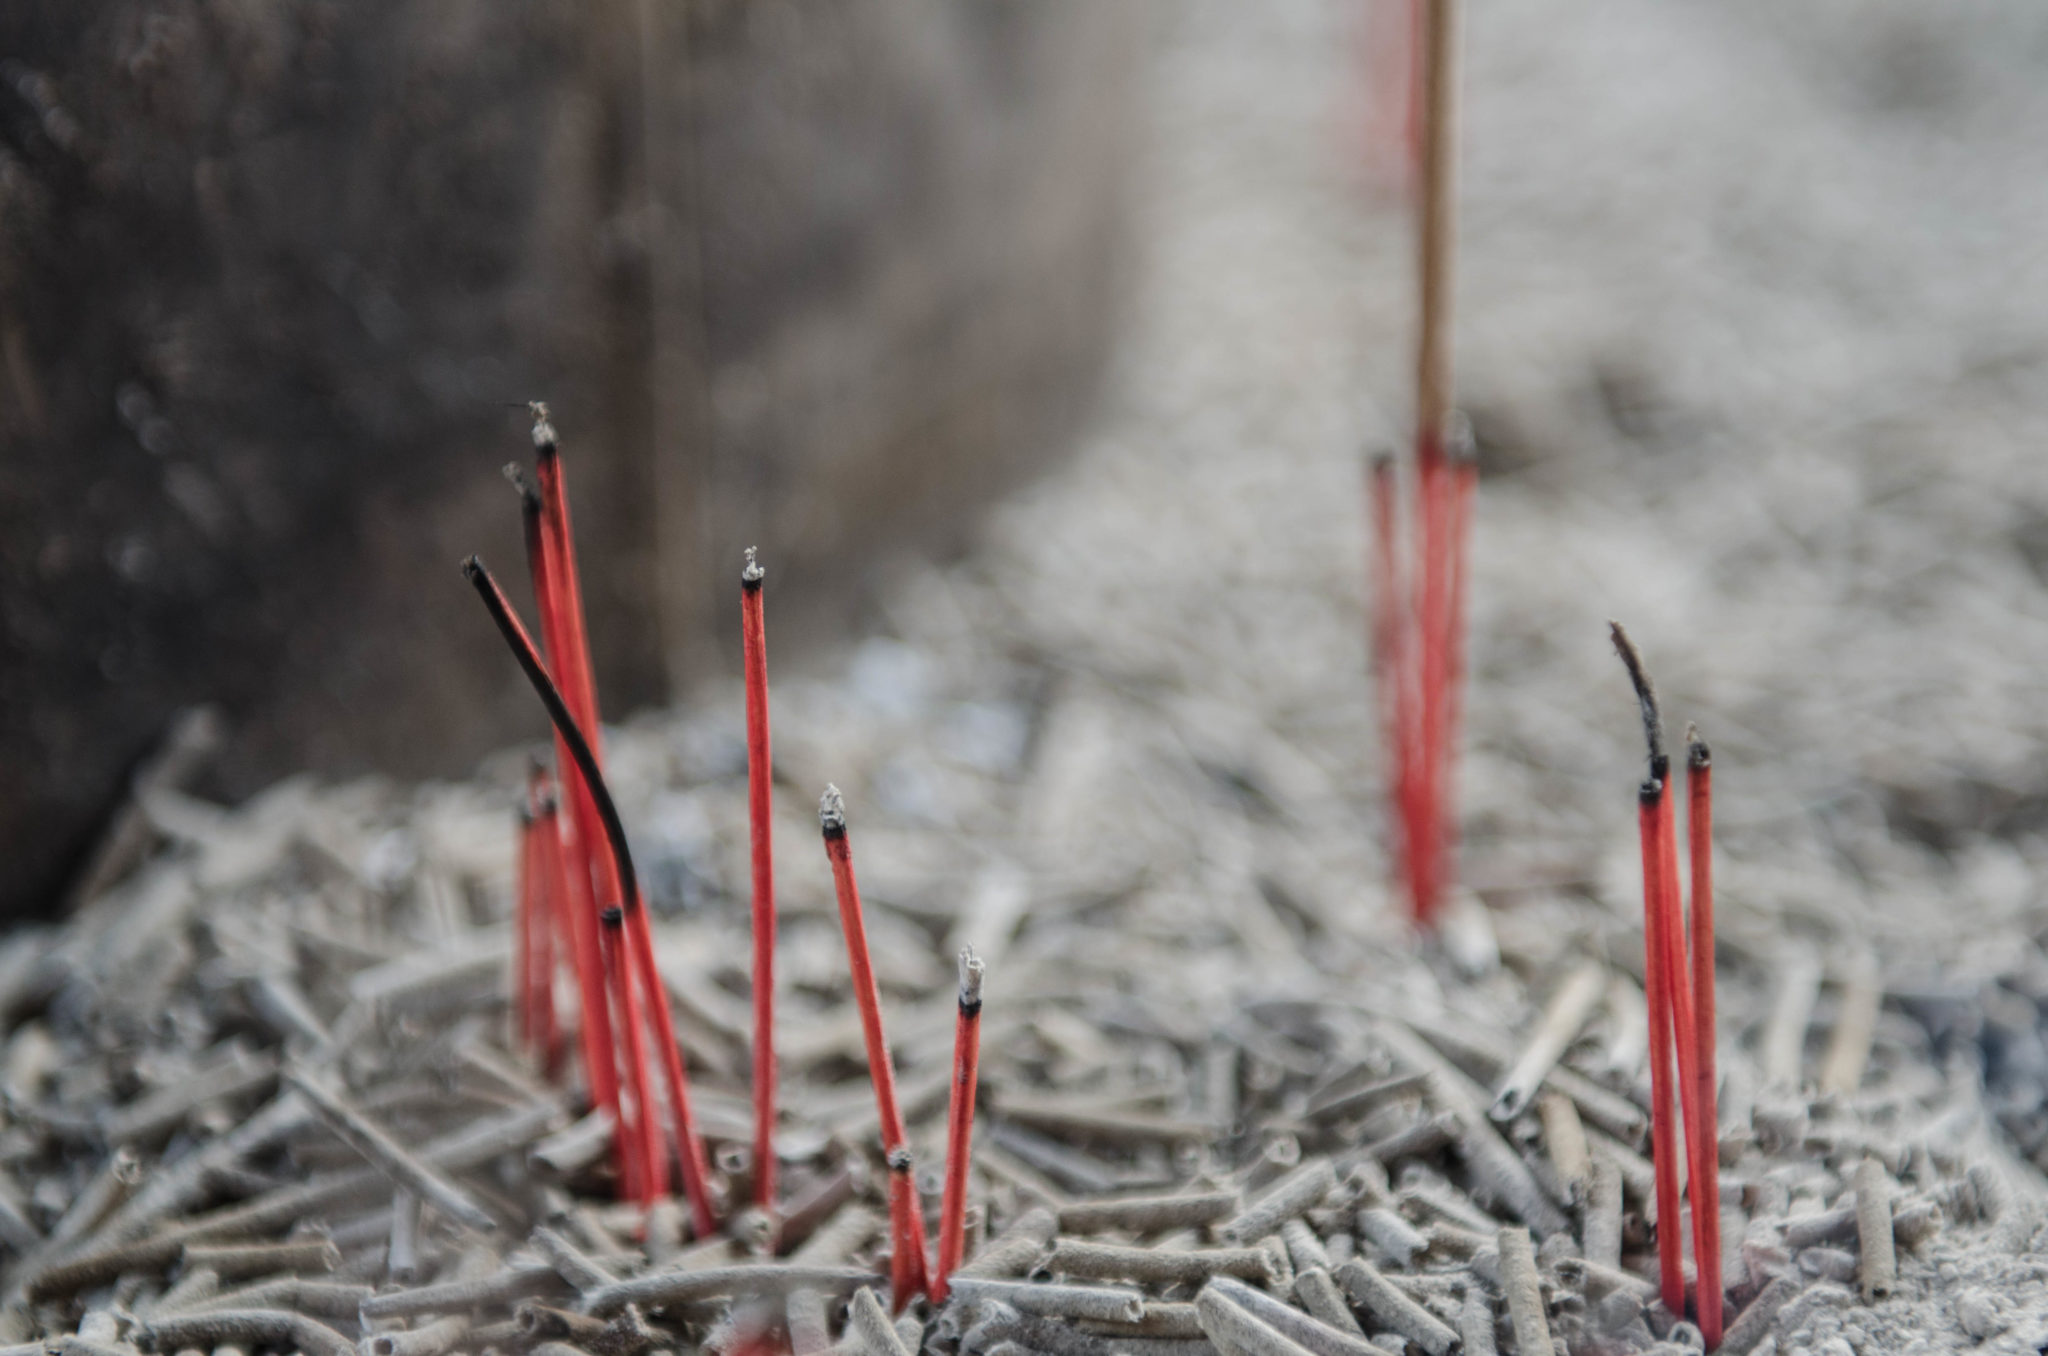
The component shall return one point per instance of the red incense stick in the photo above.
(906, 1217)
(959, 1125)
(760, 817)
(1668, 1024)
(1699, 1140)
(1663, 1133)
(639, 936)
(600, 1055)
(1706, 1190)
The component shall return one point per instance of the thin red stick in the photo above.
(1699, 1137)
(634, 1121)
(760, 824)
(600, 1054)
(639, 936)
(570, 648)
(1706, 1188)
(959, 1125)
(1464, 482)
(584, 760)
(906, 1217)
(1664, 1148)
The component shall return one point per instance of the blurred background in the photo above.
(1095, 305)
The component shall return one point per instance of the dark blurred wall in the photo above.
(824, 277)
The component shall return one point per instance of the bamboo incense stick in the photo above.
(906, 1219)
(760, 825)
(959, 1125)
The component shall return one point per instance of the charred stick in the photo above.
(1392, 1306)
(386, 1155)
(248, 1328)
(1565, 1137)
(1298, 1192)
(238, 1261)
(429, 1339)
(1149, 1214)
(1877, 1269)
(1316, 1334)
(1109, 1303)
(709, 1283)
(523, 1281)
(1559, 1026)
(1523, 1288)
(1237, 1332)
(1159, 1266)
(869, 1329)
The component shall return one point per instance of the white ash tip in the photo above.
(543, 431)
(832, 810)
(971, 971)
(753, 573)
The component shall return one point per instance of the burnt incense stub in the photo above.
(832, 813)
(971, 971)
(752, 574)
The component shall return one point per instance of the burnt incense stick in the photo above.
(906, 1218)
(1706, 1190)
(760, 832)
(637, 936)
(572, 849)
(959, 1125)
(573, 655)
(1700, 1143)
(1663, 1134)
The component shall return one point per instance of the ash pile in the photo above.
(260, 1097)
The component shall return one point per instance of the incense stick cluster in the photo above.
(1680, 997)
(1419, 605)
(586, 903)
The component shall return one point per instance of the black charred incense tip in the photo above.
(899, 1158)
(515, 476)
(1697, 755)
(612, 917)
(753, 574)
(832, 812)
(1381, 460)
(971, 970)
(543, 431)
(1650, 793)
(1646, 694)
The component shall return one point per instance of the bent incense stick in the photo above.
(760, 816)
(620, 863)
(906, 1219)
(959, 1125)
